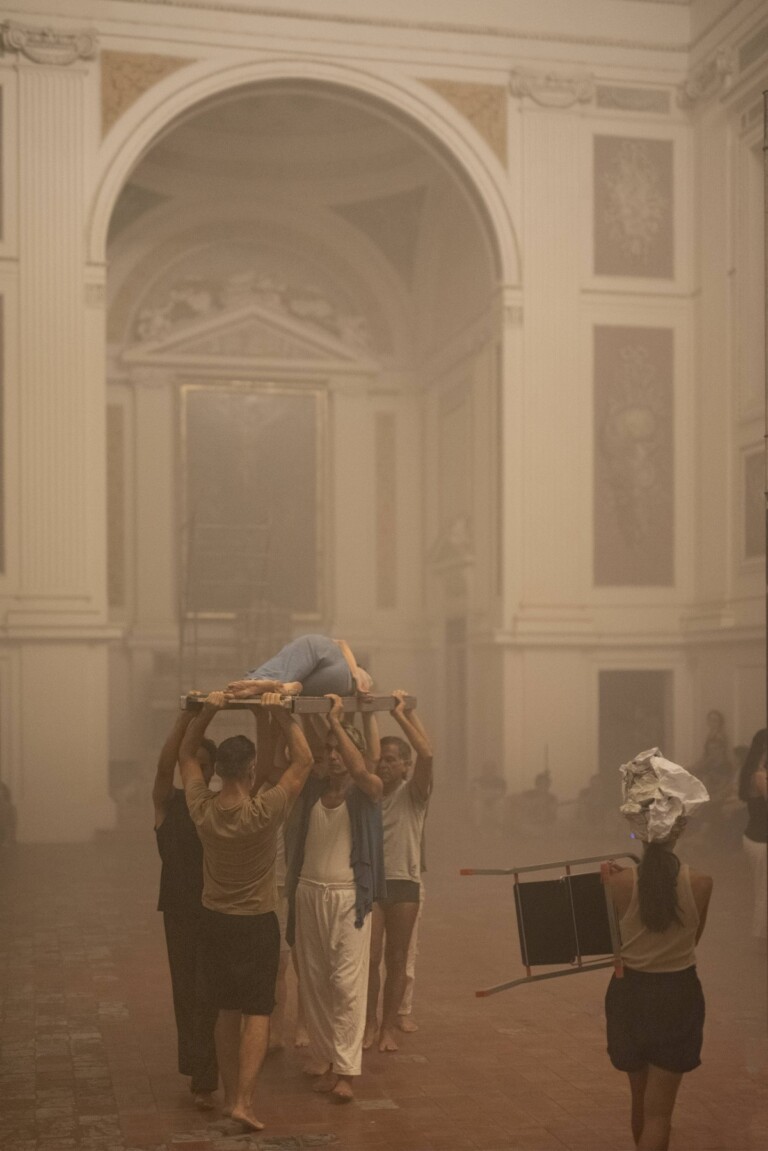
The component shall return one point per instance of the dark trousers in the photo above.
(192, 1001)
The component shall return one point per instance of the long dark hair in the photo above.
(657, 887)
(751, 763)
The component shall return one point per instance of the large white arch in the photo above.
(428, 115)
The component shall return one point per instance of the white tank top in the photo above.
(328, 847)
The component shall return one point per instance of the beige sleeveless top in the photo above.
(670, 950)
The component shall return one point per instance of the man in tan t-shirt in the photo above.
(240, 932)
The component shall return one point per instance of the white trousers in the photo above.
(757, 854)
(332, 955)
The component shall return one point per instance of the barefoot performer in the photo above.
(335, 873)
(181, 888)
(655, 1011)
(403, 811)
(241, 937)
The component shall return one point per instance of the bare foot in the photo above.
(293, 687)
(204, 1100)
(226, 1109)
(342, 1092)
(406, 1024)
(302, 1037)
(327, 1082)
(387, 1041)
(316, 1069)
(245, 1116)
(369, 1036)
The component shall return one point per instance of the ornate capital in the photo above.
(552, 89)
(47, 45)
(708, 80)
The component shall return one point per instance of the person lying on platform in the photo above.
(312, 664)
(240, 932)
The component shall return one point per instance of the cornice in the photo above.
(433, 26)
(47, 45)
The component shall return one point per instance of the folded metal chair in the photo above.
(567, 920)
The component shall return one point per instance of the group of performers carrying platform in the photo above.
(315, 842)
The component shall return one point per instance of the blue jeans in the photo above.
(315, 661)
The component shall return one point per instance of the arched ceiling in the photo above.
(313, 150)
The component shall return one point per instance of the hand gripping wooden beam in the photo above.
(305, 704)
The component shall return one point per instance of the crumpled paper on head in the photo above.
(656, 794)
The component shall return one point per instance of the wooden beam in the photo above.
(306, 704)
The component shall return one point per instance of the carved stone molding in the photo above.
(47, 45)
(484, 105)
(149, 378)
(125, 76)
(711, 78)
(552, 89)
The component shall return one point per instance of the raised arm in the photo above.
(368, 783)
(162, 789)
(372, 738)
(413, 729)
(190, 744)
(265, 746)
(300, 758)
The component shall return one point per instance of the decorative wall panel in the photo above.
(386, 509)
(484, 105)
(754, 504)
(115, 506)
(127, 75)
(634, 457)
(633, 207)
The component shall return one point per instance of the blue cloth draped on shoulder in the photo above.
(367, 859)
(315, 661)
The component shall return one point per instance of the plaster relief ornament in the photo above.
(552, 89)
(629, 440)
(192, 299)
(657, 794)
(47, 45)
(636, 206)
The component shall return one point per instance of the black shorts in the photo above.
(242, 955)
(655, 1017)
(402, 891)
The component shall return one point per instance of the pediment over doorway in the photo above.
(249, 336)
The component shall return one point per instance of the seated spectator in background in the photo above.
(7, 816)
(488, 790)
(312, 664)
(536, 807)
(181, 889)
(715, 769)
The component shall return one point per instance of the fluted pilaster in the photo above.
(53, 409)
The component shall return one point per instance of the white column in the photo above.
(54, 625)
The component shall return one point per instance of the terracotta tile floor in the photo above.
(87, 1045)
